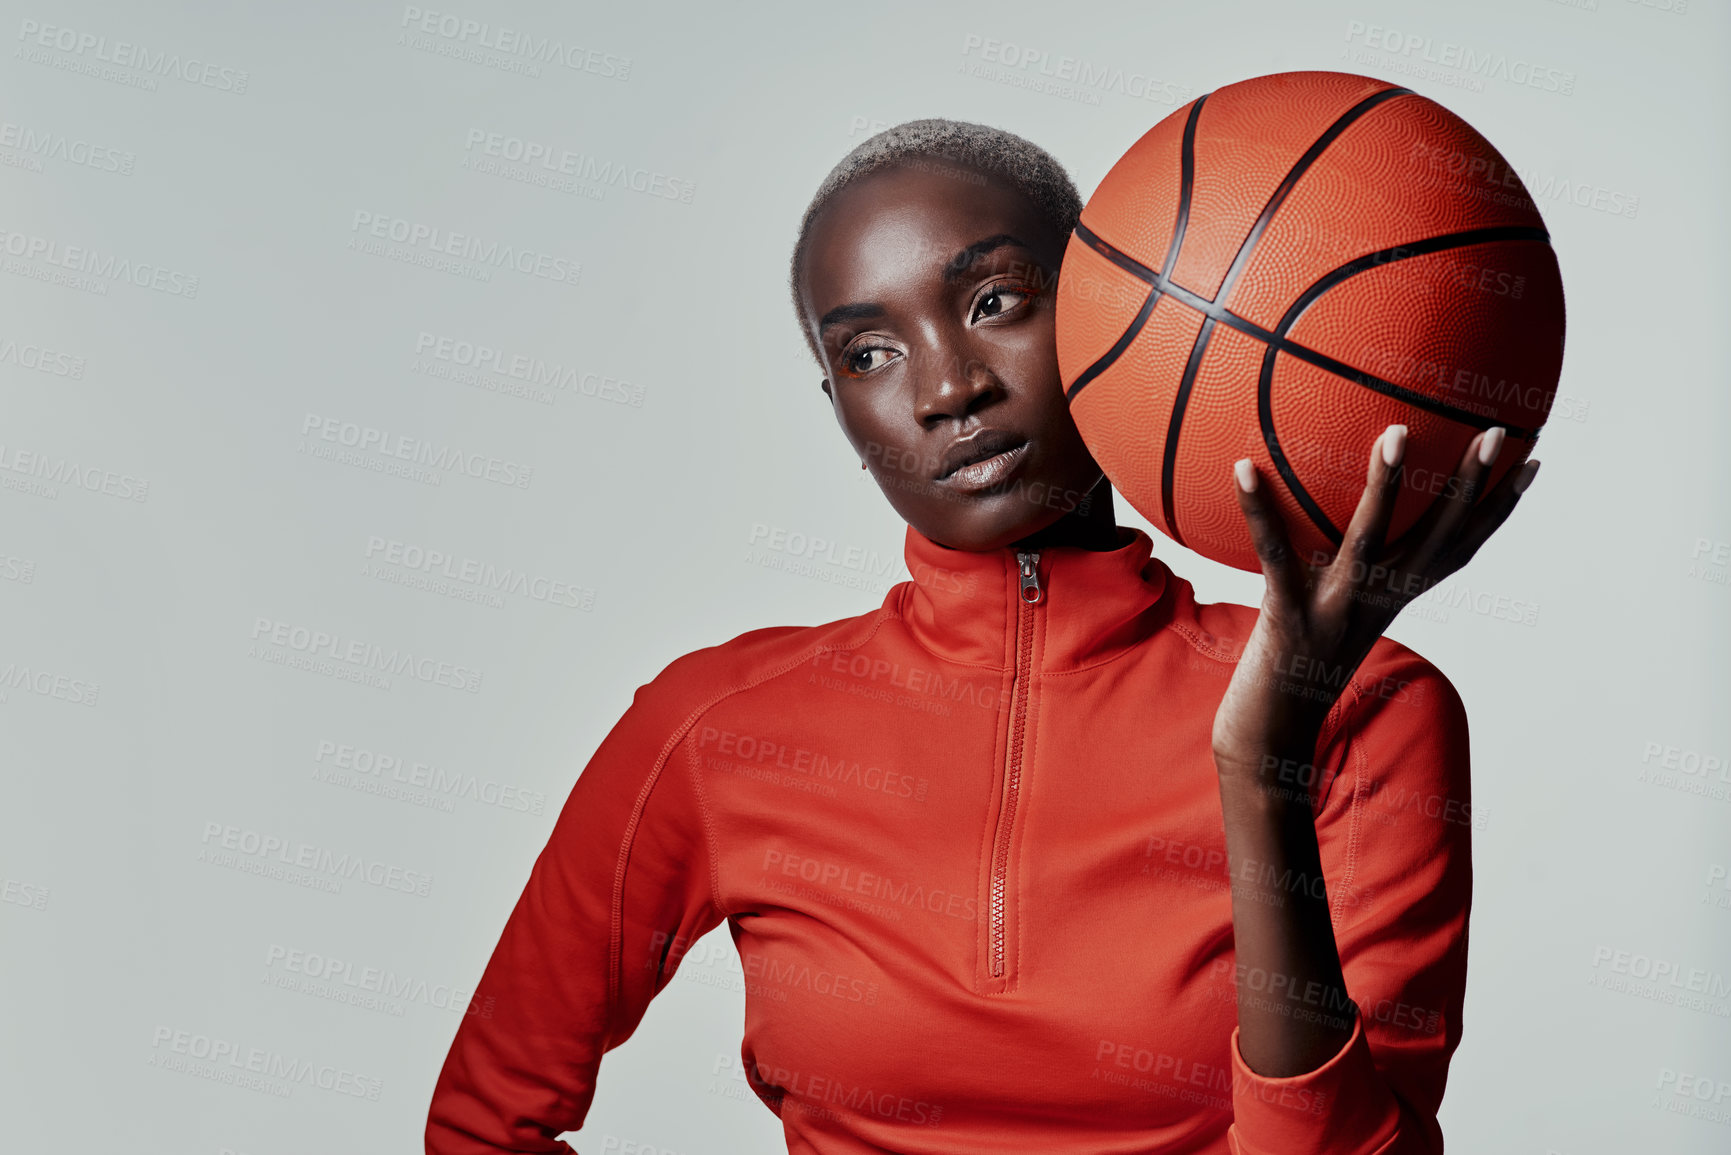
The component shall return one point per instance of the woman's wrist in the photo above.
(1279, 766)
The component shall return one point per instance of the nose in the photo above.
(952, 384)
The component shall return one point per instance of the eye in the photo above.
(862, 359)
(1001, 299)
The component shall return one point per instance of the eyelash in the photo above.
(999, 289)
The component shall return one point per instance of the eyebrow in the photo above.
(962, 261)
(954, 269)
(842, 313)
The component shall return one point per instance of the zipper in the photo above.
(1028, 595)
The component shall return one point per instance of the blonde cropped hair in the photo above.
(1023, 165)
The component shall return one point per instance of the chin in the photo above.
(998, 529)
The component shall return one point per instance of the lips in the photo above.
(976, 447)
(986, 476)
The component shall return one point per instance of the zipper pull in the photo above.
(1029, 560)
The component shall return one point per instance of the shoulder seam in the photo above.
(694, 768)
(1200, 646)
(616, 919)
(1354, 762)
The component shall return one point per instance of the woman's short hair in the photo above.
(1022, 164)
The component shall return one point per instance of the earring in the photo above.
(862, 463)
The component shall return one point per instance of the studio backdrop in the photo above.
(387, 391)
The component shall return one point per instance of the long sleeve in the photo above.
(1395, 832)
(622, 888)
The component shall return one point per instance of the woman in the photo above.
(1040, 855)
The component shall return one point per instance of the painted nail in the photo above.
(1393, 445)
(1246, 474)
(1491, 445)
(1525, 477)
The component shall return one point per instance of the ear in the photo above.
(825, 386)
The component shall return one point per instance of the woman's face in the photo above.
(930, 290)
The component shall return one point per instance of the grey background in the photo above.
(123, 925)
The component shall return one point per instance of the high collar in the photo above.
(963, 605)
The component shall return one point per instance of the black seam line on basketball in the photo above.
(1298, 169)
(1235, 271)
(1265, 418)
(1169, 463)
(1118, 346)
(1429, 245)
(1186, 186)
(1122, 259)
(1265, 379)
(1303, 352)
(1279, 339)
(1169, 466)
(1186, 183)
(1278, 342)
(1181, 221)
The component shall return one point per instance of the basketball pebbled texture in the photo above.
(1281, 269)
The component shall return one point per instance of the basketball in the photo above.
(1280, 270)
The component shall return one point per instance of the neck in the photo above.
(1091, 525)
(970, 606)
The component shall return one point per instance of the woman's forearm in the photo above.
(1293, 1010)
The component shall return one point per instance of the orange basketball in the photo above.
(1281, 269)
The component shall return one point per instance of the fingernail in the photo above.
(1491, 445)
(1393, 445)
(1525, 477)
(1246, 474)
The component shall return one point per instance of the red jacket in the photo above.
(969, 846)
